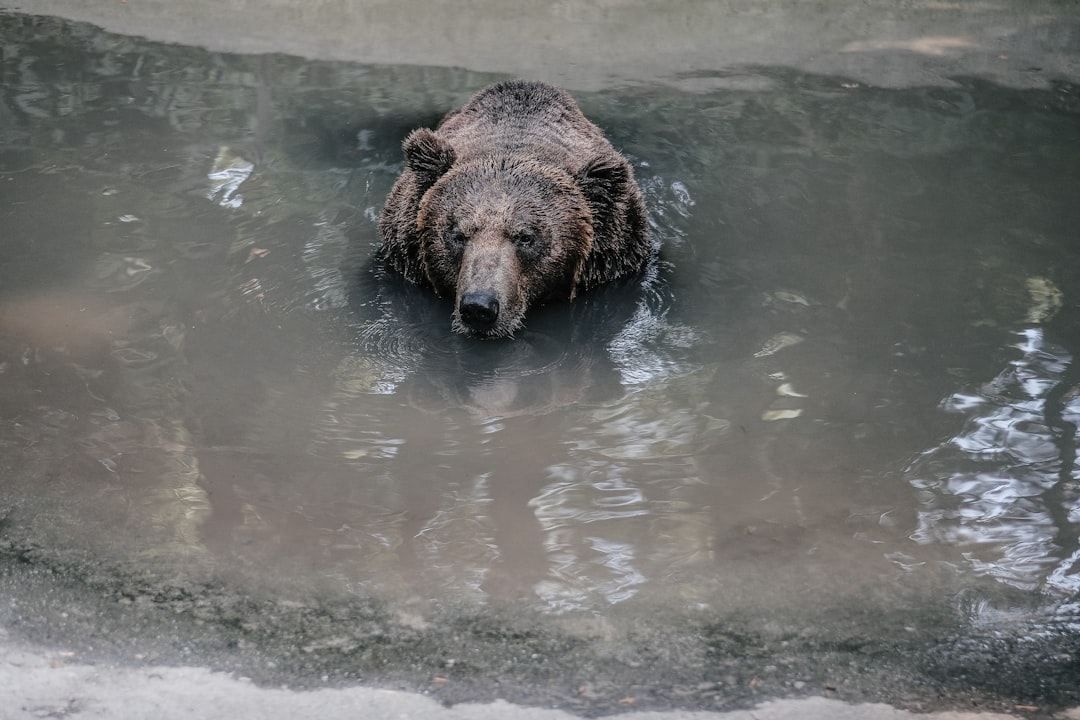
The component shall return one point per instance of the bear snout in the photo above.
(479, 311)
(490, 287)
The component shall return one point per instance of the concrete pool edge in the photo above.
(40, 682)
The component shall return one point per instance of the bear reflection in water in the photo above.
(461, 456)
(562, 358)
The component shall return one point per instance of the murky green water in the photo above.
(836, 420)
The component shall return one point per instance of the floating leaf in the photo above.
(771, 415)
(1046, 299)
(778, 342)
(786, 390)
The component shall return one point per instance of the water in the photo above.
(839, 412)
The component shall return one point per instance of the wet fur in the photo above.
(518, 194)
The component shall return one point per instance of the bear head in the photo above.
(501, 232)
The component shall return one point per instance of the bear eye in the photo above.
(458, 238)
(525, 238)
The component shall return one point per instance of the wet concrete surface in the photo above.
(694, 44)
(89, 638)
(82, 638)
(86, 611)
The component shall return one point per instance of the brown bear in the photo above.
(513, 200)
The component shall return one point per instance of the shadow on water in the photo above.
(827, 443)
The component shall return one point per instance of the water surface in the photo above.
(826, 444)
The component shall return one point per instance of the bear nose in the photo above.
(479, 310)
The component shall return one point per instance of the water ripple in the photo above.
(990, 489)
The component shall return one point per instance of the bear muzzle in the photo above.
(490, 285)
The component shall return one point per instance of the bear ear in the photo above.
(428, 156)
(603, 178)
